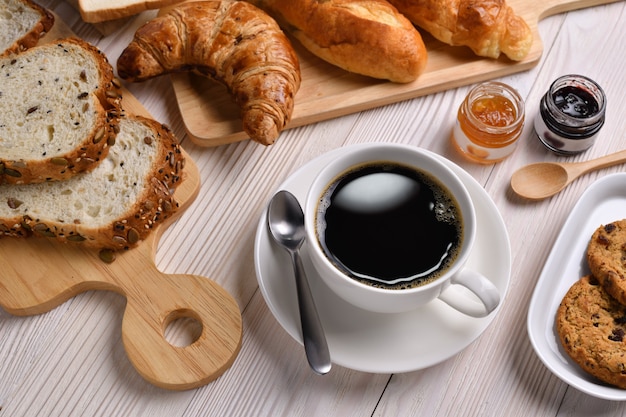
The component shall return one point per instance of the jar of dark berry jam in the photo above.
(571, 114)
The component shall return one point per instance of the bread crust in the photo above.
(31, 38)
(97, 11)
(86, 154)
(488, 27)
(233, 43)
(154, 204)
(367, 37)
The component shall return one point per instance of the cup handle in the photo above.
(480, 286)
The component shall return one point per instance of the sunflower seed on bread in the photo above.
(22, 24)
(112, 207)
(59, 110)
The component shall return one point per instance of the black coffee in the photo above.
(389, 225)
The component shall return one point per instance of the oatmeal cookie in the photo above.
(606, 256)
(592, 328)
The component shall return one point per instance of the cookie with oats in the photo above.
(606, 256)
(592, 328)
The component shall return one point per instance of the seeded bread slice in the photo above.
(22, 24)
(115, 205)
(59, 109)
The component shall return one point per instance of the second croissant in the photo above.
(487, 27)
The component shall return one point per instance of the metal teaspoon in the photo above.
(544, 179)
(286, 224)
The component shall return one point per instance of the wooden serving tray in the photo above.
(211, 118)
(37, 275)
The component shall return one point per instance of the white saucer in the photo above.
(383, 343)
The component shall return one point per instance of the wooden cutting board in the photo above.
(211, 118)
(38, 275)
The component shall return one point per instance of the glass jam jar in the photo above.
(489, 122)
(571, 114)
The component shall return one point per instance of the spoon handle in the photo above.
(313, 335)
(603, 162)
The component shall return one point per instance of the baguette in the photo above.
(231, 42)
(367, 37)
(58, 111)
(112, 207)
(488, 27)
(22, 24)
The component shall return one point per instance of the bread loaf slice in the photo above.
(22, 24)
(97, 11)
(112, 207)
(59, 109)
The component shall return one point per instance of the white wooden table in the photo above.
(71, 362)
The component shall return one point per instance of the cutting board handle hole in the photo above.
(182, 328)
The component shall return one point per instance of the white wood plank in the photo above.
(71, 361)
(271, 377)
(500, 374)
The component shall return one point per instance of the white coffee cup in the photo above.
(486, 296)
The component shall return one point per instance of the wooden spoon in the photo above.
(544, 179)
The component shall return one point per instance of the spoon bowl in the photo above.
(285, 221)
(545, 179)
(540, 180)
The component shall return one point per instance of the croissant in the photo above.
(488, 27)
(234, 43)
(367, 37)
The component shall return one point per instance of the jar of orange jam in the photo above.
(489, 123)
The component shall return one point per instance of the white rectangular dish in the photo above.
(603, 202)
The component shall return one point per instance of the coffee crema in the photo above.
(389, 225)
